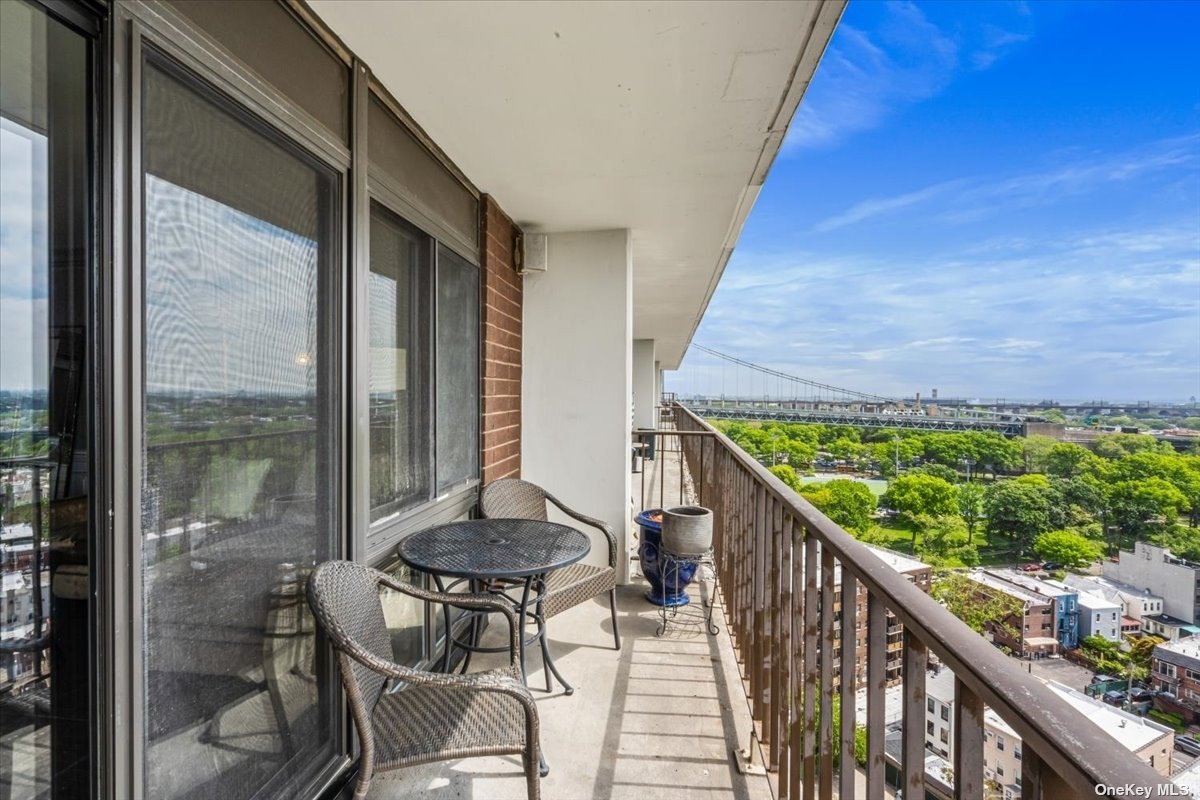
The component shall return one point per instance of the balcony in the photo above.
(663, 716)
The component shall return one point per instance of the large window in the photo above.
(457, 370)
(46, 261)
(240, 409)
(399, 364)
(423, 305)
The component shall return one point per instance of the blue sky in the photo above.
(994, 199)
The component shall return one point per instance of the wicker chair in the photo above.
(510, 498)
(434, 716)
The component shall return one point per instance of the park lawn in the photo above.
(900, 539)
(877, 485)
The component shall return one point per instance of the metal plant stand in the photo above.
(671, 565)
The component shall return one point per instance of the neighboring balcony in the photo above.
(664, 716)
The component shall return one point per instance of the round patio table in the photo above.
(488, 552)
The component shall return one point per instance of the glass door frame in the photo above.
(88, 19)
(134, 27)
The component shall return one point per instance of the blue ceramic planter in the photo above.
(679, 574)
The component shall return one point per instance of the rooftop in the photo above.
(1130, 730)
(1095, 600)
(1109, 587)
(898, 561)
(1180, 651)
(1168, 620)
(1189, 778)
(986, 578)
(1038, 586)
(939, 684)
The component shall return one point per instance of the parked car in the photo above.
(1031, 568)
(1188, 745)
(1050, 565)
(1141, 696)
(1114, 698)
(1100, 677)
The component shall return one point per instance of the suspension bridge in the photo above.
(717, 385)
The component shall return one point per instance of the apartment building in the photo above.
(1136, 602)
(1157, 570)
(1168, 627)
(920, 574)
(1099, 616)
(939, 712)
(1148, 740)
(1029, 632)
(1175, 668)
(1065, 599)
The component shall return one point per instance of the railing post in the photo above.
(825, 782)
(915, 662)
(811, 643)
(796, 615)
(968, 743)
(876, 694)
(849, 663)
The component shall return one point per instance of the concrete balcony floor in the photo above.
(658, 719)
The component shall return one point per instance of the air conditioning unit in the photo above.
(534, 253)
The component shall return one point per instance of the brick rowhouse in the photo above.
(500, 296)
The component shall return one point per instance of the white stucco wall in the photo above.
(645, 375)
(576, 378)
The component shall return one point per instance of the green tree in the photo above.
(1018, 510)
(786, 474)
(944, 542)
(848, 503)
(1181, 471)
(1119, 445)
(938, 471)
(873, 534)
(1142, 506)
(974, 604)
(1066, 460)
(915, 494)
(1072, 550)
(970, 507)
(1034, 451)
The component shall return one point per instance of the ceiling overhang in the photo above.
(661, 118)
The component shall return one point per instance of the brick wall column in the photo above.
(500, 350)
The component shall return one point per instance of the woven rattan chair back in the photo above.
(344, 596)
(512, 498)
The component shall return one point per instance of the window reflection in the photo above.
(398, 366)
(45, 262)
(238, 489)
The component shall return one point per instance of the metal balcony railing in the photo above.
(776, 556)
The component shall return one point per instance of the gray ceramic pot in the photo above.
(687, 530)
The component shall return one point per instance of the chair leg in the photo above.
(363, 784)
(541, 623)
(612, 604)
(533, 783)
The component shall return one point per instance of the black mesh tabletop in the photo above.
(494, 548)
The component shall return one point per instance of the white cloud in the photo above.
(866, 74)
(965, 200)
(1109, 311)
(883, 205)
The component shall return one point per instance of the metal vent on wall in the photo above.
(534, 253)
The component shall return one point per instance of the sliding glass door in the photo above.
(46, 535)
(240, 478)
